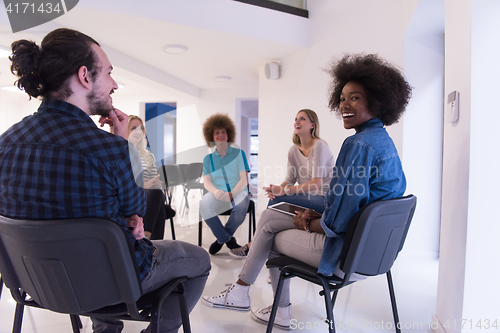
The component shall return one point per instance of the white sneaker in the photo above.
(283, 316)
(240, 252)
(235, 297)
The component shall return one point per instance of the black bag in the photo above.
(169, 212)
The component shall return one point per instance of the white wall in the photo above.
(423, 122)
(482, 271)
(455, 166)
(14, 107)
(468, 270)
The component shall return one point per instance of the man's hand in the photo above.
(118, 123)
(134, 223)
(227, 197)
(219, 194)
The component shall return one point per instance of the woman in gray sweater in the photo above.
(309, 171)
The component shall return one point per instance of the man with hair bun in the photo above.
(57, 164)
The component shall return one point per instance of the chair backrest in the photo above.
(174, 174)
(194, 172)
(184, 168)
(69, 266)
(375, 236)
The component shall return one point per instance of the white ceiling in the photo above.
(223, 37)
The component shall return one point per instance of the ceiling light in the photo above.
(120, 85)
(4, 52)
(175, 49)
(13, 89)
(222, 78)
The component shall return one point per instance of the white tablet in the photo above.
(287, 208)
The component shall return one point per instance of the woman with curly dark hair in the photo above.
(387, 92)
(225, 177)
(368, 93)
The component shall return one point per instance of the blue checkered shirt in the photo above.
(57, 164)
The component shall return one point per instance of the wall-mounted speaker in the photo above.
(272, 70)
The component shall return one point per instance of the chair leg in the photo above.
(161, 298)
(18, 318)
(334, 297)
(186, 326)
(249, 227)
(200, 230)
(254, 225)
(393, 302)
(76, 323)
(276, 301)
(329, 302)
(172, 228)
(186, 192)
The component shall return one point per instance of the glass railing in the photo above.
(295, 7)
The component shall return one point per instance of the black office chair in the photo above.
(78, 267)
(373, 240)
(184, 170)
(175, 174)
(192, 177)
(171, 175)
(251, 220)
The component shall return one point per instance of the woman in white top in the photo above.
(309, 171)
(154, 218)
(309, 167)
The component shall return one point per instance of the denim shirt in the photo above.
(368, 168)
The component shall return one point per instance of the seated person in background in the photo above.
(57, 164)
(310, 165)
(225, 177)
(154, 218)
(368, 93)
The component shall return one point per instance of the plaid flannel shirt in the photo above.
(57, 164)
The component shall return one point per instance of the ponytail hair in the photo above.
(44, 71)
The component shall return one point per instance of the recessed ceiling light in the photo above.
(222, 78)
(120, 85)
(175, 49)
(4, 52)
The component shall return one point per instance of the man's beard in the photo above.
(99, 105)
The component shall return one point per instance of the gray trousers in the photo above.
(276, 235)
(172, 259)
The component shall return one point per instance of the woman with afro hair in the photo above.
(225, 177)
(367, 93)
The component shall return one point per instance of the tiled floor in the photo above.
(361, 307)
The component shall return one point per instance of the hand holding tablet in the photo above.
(287, 208)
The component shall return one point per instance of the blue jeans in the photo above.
(313, 201)
(210, 208)
(172, 259)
